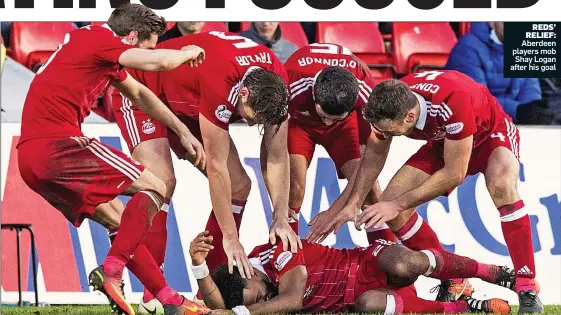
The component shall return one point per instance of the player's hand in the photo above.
(195, 55)
(200, 247)
(236, 253)
(376, 215)
(329, 221)
(195, 151)
(280, 228)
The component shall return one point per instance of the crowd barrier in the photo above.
(466, 222)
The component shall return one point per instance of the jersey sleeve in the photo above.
(366, 84)
(457, 116)
(282, 261)
(119, 76)
(108, 47)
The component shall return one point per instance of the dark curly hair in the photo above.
(130, 17)
(336, 90)
(391, 100)
(230, 285)
(268, 96)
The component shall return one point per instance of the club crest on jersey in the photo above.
(148, 127)
(223, 113)
(454, 128)
(282, 260)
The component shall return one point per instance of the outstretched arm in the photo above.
(161, 59)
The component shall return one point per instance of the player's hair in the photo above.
(136, 17)
(391, 100)
(268, 96)
(336, 90)
(230, 285)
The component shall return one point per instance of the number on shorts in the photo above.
(498, 135)
(330, 49)
(246, 42)
(428, 75)
(66, 40)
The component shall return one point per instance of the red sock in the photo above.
(518, 236)
(444, 265)
(416, 234)
(135, 222)
(294, 223)
(156, 242)
(144, 267)
(169, 296)
(383, 232)
(411, 303)
(217, 257)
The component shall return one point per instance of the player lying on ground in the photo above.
(316, 279)
(240, 79)
(326, 109)
(467, 133)
(79, 175)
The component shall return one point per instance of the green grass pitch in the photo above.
(103, 310)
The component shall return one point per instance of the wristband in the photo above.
(201, 271)
(241, 310)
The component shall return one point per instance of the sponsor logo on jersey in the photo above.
(282, 260)
(454, 128)
(223, 113)
(148, 127)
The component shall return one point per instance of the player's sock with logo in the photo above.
(294, 223)
(517, 233)
(217, 257)
(444, 265)
(135, 223)
(383, 232)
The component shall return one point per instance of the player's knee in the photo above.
(501, 188)
(371, 302)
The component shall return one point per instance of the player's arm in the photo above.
(457, 154)
(371, 165)
(161, 59)
(292, 287)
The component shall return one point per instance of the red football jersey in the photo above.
(65, 88)
(304, 65)
(212, 89)
(331, 273)
(453, 106)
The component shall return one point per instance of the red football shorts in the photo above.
(341, 140)
(137, 126)
(430, 157)
(369, 274)
(75, 174)
(174, 142)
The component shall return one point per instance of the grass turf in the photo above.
(99, 310)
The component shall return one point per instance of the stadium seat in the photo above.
(33, 43)
(215, 26)
(464, 28)
(291, 31)
(420, 46)
(364, 40)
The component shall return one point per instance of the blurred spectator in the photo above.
(479, 54)
(182, 29)
(80, 24)
(270, 35)
(310, 28)
(551, 92)
(6, 28)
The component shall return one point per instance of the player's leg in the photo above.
(501, 176)
(405, 301)
(241, 186)
(301, 148)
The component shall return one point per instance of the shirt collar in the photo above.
(422, 112)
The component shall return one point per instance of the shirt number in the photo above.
(329, 49)
(428, 75)
(246, 42)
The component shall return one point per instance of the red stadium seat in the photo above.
(33, 43)
(364, 40)
(291, 31)
(418, 45)
(464, 28)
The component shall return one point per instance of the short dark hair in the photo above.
(336, 90)
(230, 285)
(391, 100)
(136, 17)
(268, 96)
